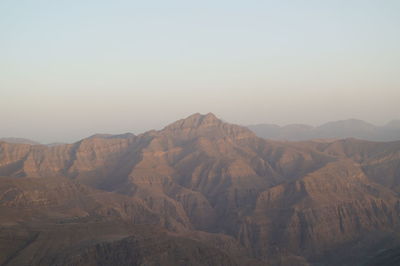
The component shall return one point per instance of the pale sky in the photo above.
(69, 69)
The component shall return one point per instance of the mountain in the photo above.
(210, 189)
(27, 141)
(19, 141)
(351, 128)
(394, 125)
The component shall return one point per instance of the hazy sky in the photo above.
(69, 69)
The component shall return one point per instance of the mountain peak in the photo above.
(206, 125)
(210, 116)
(196, 120)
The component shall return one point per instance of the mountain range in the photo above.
(200, 192)
(351, 128)
(19, 141)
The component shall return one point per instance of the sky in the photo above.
(70, 69)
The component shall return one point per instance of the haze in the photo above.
(69, 69)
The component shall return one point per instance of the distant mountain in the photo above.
(20, 141)
(394, 124)
(199, 192)
(55, 144)
(351, 128)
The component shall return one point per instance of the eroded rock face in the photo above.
(330, 206)
(285, 202)
(153, 248)
(54, 221)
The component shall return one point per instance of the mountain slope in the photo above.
(52, 221)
